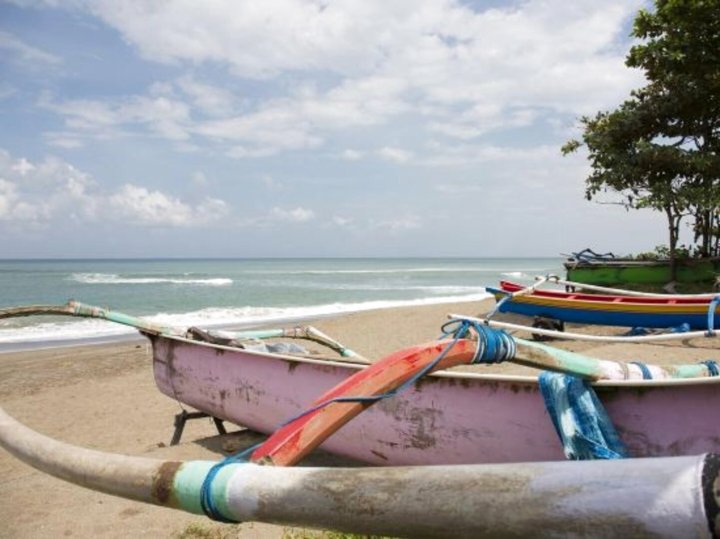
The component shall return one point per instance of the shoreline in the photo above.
(103, 397)
(42, 344)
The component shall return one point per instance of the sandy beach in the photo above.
(104, 397)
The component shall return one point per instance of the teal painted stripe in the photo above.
(571, 361)
(690, 371)
(188, 485)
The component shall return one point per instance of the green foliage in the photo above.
(662, 252)
(660, 149)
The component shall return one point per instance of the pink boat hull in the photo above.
(461, 418)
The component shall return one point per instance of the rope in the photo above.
(712, 367)
(646, 374)
(207, 502)
(634, 332)
(493, 345)
(588, 255)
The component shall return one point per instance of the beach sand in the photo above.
(104, 397)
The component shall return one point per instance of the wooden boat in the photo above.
(606, 270)
(447, 418)
(610, 310)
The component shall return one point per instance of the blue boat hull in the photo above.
(627, 316)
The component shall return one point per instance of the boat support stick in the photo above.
(658, 497)
(541, 356)
(568, 335)
(75, 308)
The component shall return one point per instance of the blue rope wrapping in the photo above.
(579, 418)
(207, 503)
(588, 255)
(711, 316)
(494, 346)
(633, 332)
(646, 374)
(682, 328)
(712, 367)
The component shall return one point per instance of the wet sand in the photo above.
(104, 397)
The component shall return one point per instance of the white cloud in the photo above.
(160, 116)
(351, 155)
(207, 98)
(294, 215)
(34, 193)
(27, 55)
(200, 179)
(342, 221)
(144, 207)
(45, 192)
(397, 225)
(459, 73)
(441, 154)
(396, 155)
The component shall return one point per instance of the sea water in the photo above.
(238, 292)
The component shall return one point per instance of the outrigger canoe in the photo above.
(445, 418)
(468, 419)
(609, 310)
(588, 267)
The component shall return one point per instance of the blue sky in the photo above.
(314, 128)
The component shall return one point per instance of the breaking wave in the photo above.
(112, 278)
(86, 329)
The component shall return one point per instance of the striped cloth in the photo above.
(580, 420)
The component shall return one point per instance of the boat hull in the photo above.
(618, 311)
(461, 418)
(616, 272)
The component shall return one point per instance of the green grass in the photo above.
(297, 533)
(201, 530)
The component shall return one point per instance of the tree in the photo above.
(660, 149)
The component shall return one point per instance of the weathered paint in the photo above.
(290, 443)
(477, 418)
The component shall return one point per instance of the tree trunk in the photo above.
(673, 232)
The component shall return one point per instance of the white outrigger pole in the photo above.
(653, 497)
(615, 291)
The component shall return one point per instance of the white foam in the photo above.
(74, 329)
(112, 278)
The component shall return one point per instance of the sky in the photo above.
(285, 128)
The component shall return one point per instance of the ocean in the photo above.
(237, 292)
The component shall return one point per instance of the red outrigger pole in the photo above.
(294, 440)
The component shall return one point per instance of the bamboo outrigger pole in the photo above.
(588, 498)
(528, 353)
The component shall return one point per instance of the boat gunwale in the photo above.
(489, 377)
(626, 307)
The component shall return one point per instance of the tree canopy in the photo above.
(660, 148)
